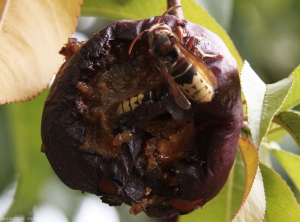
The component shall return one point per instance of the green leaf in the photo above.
(255, 202)
(290, 121)
(290, 163)
(31, 165)
(263, 101)
(281, 203)
(254, 90)
(275, 96)
(123, 9)
(254, 196)
(136, 9)
(293, 98)
(224, 206)
(265, 155)
(276, 132)
(6, 152)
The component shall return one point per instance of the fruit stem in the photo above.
(178, 11)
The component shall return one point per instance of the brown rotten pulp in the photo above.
(159, 159)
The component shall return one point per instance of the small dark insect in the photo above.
(184, 72)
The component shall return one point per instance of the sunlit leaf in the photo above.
(254, 207)
(254, 90)
(31, 35)
(2, 6)
(293, 98)
(116, 10)
(281, 203)
(290, 163)
(254, 197)
(31, 165)
(275, 96)
(263, 101)
(250, 158)
(224, 206)
(135, 9)
(290, 121)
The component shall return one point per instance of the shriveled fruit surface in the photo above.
(159, 158)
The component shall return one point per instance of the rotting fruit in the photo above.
(159, 158)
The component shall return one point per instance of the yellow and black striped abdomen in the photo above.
(191, 83)
(130, 104)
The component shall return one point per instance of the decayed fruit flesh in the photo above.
(160, 158)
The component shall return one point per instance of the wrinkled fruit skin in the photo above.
(175, 159)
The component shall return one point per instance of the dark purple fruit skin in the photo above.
(217, 127)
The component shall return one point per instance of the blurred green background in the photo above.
(266, 33)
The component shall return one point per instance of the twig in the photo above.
(176, 12)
